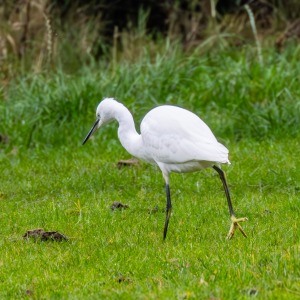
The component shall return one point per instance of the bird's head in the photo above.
(104, 114)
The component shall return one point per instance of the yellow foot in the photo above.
(235, 225)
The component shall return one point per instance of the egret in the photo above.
(173, 138)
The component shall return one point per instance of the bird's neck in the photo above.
(128, 136)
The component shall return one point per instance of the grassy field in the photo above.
(50, 181)
(121, 254)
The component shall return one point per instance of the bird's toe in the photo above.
(234, 225)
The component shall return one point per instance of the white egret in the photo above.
(173, 138)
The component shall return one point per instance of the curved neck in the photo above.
(129, 138)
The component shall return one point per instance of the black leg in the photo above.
(234, 220)
(223, 179)
(168, 210)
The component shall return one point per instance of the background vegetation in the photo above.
(234, 63)
(60, 58)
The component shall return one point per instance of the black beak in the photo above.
(91, 131)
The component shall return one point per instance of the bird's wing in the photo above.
(174, 135)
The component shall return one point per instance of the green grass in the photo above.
(121, 254)
(235, 95)
(48, 180)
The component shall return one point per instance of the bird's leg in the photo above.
(234, 220)
(168, 209)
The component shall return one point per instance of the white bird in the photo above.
(175, 139)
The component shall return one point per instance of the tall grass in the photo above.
(231, 91)
(43, 35)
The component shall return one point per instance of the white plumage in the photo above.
(175, 135)
(174, 138)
